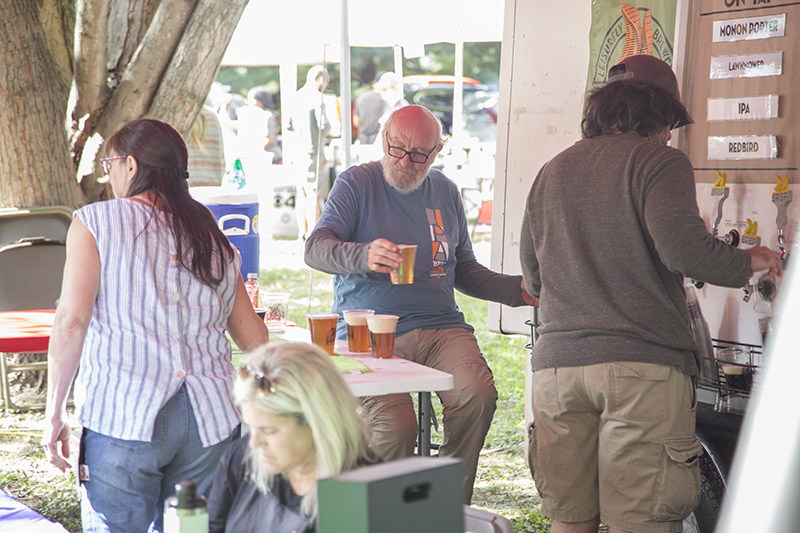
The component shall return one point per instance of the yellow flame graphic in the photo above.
(783, 184)
(752, 229)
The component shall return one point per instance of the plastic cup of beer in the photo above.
(323, 329)
(355, 322)
(404, 274)
(275, 307)
(382, 330)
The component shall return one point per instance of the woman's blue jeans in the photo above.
(129, 480)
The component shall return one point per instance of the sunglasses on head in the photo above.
(265, 386)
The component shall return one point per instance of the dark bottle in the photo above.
(185, 512)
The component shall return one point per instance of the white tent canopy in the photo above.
(271, 33)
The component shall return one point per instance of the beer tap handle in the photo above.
(782, 197)
(782, 220)
(721, 195)
(719, 191)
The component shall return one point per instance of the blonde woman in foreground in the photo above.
(304, 426)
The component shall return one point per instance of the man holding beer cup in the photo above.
(373, 211)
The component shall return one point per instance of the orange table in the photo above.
(23, 332)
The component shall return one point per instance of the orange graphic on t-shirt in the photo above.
(439, 248)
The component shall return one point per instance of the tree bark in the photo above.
(67, 81)
(35, 167)
(195, 63)
(91, 89)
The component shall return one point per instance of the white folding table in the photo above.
(389, 376)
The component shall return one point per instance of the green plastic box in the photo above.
(419, 494)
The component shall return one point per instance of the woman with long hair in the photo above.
(151, 285)
(304, 425)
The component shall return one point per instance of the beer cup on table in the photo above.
(355, 321)
(404, 274)
(323, 330)
(382, 330)
(275, 307)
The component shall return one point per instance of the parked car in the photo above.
(480, 115)
(436, 93)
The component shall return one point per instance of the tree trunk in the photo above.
(35, 167)
(66, 84)
(195, 63)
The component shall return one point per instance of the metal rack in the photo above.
(732, 393)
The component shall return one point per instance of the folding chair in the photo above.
(18, 224)
(484, 215)
(30, 280)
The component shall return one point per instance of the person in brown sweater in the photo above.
(611, 228)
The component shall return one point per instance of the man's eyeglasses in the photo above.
(265, 386)
(399, 153)
(105, 163)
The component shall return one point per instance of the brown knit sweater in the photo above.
(611, 228)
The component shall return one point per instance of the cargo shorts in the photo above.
(616, 440)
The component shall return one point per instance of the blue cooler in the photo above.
(236, 213)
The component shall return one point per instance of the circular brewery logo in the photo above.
(636, 31)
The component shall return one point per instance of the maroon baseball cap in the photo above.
(650, 69)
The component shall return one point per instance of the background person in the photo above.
(304, 426)
(310, 126)
(206, 150)
(376, 206)
(150, 287)
(610, 230)
(256, 129)
(367, 110)
(390, 87)
(226, 105)
(257, 124)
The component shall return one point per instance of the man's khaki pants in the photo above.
(467, 409)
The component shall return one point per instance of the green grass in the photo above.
(54, 497)
(311, 292)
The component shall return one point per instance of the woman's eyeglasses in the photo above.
(105, 163)
(265, 386)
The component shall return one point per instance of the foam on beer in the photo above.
(355, 319)
(314, 316)
(382, 323)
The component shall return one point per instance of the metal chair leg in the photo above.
(6, 369)
(4, 382)
(424, 424)
(426, 419)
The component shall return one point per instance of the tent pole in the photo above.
(458, 92)
(347, 131)
(288, 85)
(398, 60)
